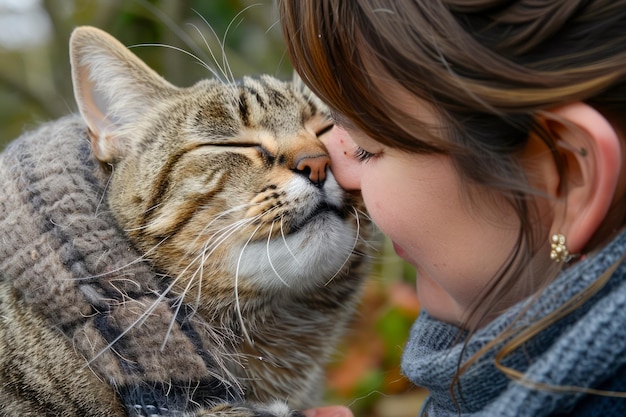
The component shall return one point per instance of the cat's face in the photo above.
(217, 180)
(236, 180)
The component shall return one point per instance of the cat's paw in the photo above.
(275, 409)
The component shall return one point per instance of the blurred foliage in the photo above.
(35, 82)
(174, 37)
(365, 375)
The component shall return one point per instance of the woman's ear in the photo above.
(591, 148)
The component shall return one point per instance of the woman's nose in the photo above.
(345, 168)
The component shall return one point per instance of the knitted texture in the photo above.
(63, 253)
(586, 349)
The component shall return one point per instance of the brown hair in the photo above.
(488, 68)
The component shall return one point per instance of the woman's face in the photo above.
(417, 201)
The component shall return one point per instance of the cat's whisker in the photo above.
(282, 233)
(209, 247)
(104, 191)
(224, 68)
(222, 234)
(283, 56)
(212, 242)
(124, 294)
(141, 319)
(200, 272)
(141, 258)
(176, 48)
(364, 214)
(216, 239)
(272, 26)
(373, 244)
(237, 300)
(219, 216)
(225, 63)
(177, 306)
(227, 232)
(180, 300)
(211, 53)
(172, 25)
(269, 257)
(356, 241)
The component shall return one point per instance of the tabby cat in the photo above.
(173, 251)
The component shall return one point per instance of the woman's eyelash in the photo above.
(362, 155)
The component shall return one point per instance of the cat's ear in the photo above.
(300, 86)
(297, 82)
(112, 87)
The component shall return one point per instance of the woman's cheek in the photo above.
(379, 204)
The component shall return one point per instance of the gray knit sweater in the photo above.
(586, 349)
(64, 254)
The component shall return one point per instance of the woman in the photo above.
(487, 139)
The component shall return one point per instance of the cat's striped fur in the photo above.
(174, 251)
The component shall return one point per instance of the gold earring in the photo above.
(558, 250)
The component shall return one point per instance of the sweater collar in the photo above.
(435, 349)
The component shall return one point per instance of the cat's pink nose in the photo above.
(314, 168)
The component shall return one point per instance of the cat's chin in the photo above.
(306, 259)
(317, 214)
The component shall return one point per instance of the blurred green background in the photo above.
(34, 67)
(35, 86)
